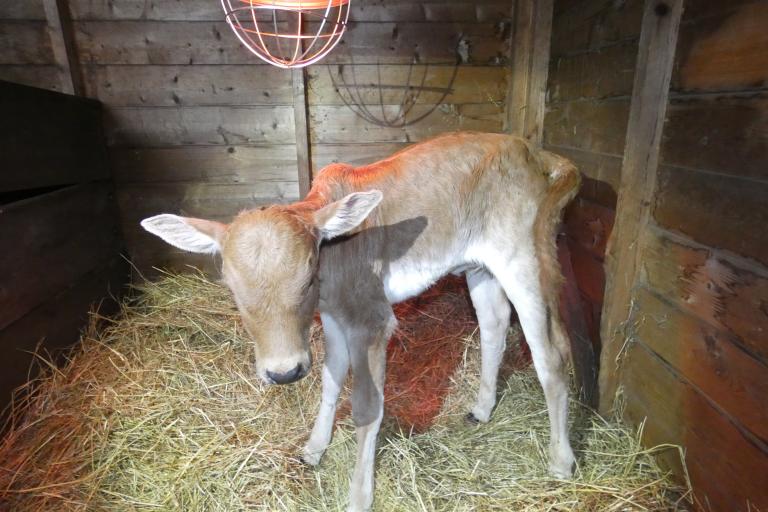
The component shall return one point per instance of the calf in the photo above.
(365, 238)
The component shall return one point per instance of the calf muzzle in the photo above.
(289, 376)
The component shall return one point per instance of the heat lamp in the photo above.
(288, 33)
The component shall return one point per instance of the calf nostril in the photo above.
(287, 377)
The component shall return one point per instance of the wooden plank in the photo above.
(84, 239)
(601, 174)
(209, 42)
(598, 126)
(430, 83)
(188, 126)
(362, 10)
(25, 42)
(604, 73)
(702, 282)
(596, 24)
(41, 76)
(57, 323)
(649, 100)
(63, 44)
(725, 51)
(718, 133)
(719, 211)
(301, 122)
(48, 139)
(28, 10)
(708, 358)
(197, 199)
(335, 124)
(530, 64)
(675, 412)
(199, 85)
(353, 154)
(211, 164)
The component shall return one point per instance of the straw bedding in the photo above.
(157, 410)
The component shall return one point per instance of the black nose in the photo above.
(287, 377)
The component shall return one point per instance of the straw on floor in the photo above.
(157, 410)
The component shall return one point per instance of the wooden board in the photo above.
(603, 73)
(598, 126)
(362, 10)
(199, 85)
(24, 42)
(54, 139)
(707, 357)
(596, 24)
(658, 41)
(56, 323)
(726, 134)
(725, 293)
(336, 124)
(725, 463)
(716, 210)
(188, 126)
(52, 240)
(467, 84)
(27, 10)
(42, 76)
(722, 47)
(210, 42)
(212, 164)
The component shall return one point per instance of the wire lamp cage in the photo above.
(288, 33)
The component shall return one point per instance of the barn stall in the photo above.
(158, 107)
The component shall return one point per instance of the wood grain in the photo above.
(598, 126)
(24, 43)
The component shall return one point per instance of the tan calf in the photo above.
(364, 238)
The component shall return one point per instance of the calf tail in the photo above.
(564, 181)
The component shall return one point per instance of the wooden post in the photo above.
(63, 43)
(301, 120)
(658, 40)
(530, 64)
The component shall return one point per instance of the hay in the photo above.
(157, 411)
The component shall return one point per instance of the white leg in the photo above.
(369, 360)
(335, 368)
(520, 281)
(493, 310)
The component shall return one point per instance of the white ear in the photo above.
(193, 235)
(346, 214)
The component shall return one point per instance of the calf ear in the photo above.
(193, 235)
(346, 214)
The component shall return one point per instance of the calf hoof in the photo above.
(310, 459)
(562, 470)
(471, 420)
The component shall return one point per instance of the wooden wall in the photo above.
(59, 229)
(592, 66)
(690, 355)
(197, 125)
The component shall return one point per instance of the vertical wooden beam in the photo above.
(658, 40)
(530, 64)
(63, 43)
(301, 120)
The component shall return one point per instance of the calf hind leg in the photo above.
(493, 310)
(520, 280)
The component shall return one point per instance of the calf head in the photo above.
(269, 262)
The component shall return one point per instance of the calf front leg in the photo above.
(335, 367)
(369, 359)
